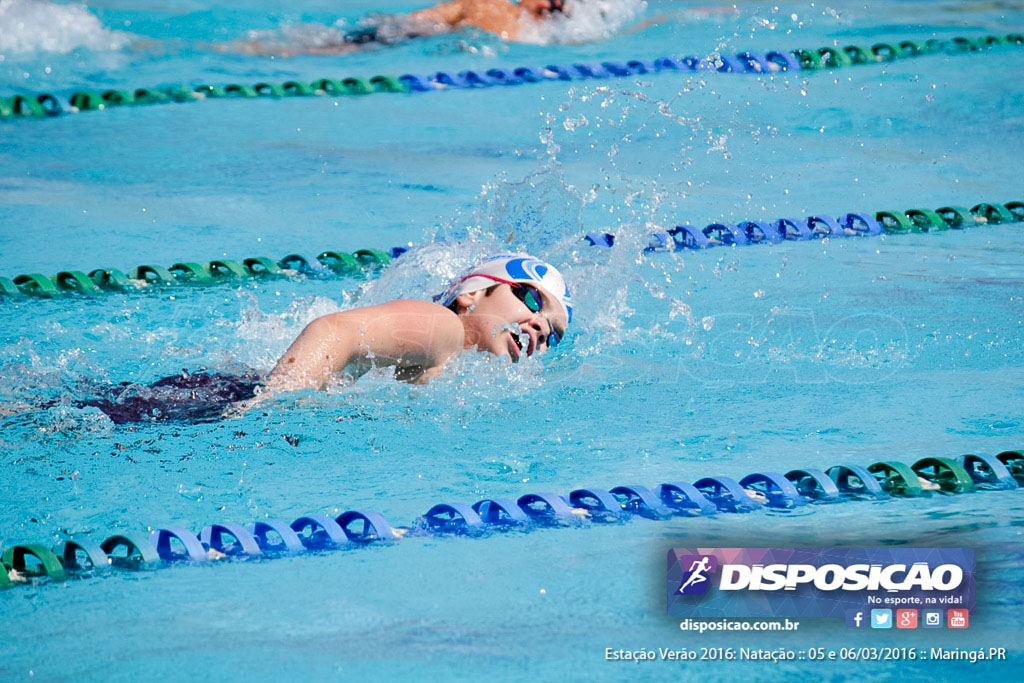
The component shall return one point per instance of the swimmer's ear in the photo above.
(467, 300)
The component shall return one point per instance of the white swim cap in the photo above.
(512, 268)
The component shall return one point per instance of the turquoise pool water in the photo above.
(678, 365)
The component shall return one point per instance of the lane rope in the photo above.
(38, 106)
(367, 262)
(319, 532)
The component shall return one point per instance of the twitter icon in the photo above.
(881, 618)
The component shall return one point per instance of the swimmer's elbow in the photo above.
(449, 13)
(324, 346)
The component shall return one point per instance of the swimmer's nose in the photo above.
(539, 330)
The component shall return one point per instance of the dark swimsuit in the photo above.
(387, 30)
(362, 36)
(187, 397)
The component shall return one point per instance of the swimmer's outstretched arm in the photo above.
(448, 13)
(418, 337)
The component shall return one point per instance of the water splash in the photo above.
(582, 22)
(38, 25)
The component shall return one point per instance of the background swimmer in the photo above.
(539, 22)
(506, 19)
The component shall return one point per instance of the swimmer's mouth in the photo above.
(515, 347)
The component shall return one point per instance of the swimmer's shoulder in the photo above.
(416, 308)
(399, 307)
(434, 328)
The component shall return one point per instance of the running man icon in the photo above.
(698, 570)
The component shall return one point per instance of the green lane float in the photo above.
(994, 213)
(75, 281)
(36, 284)
(858, 54)
(87, 100)
(925, 220)
(226, 268)
(110, 279)
(297, 88)
(957, 216)
(151, 273)
(833, 58)
(268, 90)
(896, 222)
(339, 262)
(260, 266)
(15, 558)
(8, 288)
(371, 257)
(188, 271)
(388, 84)
(948, 474)
(45, 105)
(150, 96)
(237, 90)
(130, 549)
(887, 52)
(356, 86)
(897, 478)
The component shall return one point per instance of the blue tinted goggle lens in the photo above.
(530, 297)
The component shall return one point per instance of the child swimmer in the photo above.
(509, 305)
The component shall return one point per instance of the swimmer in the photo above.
(503, 18)
(509, 305)
(500, 17)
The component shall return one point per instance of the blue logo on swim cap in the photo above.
(526, 269)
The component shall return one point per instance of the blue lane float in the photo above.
(727, 494)
(814, 484)
(821, 226)
(500, 512)
(275, 536)
(708, 496)
(239, 541)
(640, 500)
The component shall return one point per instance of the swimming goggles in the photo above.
(554, 5)
(532, 299)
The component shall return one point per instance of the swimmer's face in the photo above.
(499, 321)
(540, 8)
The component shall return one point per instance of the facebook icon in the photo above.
(855, 618)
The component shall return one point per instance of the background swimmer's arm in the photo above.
(450, 13)
(8, 409)
(411, 335)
